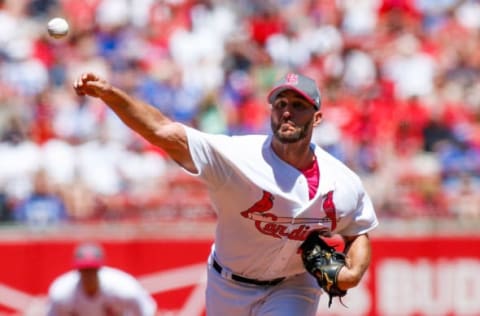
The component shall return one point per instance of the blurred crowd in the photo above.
(399, 81)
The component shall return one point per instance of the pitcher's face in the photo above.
(90, 281)
(292, 117)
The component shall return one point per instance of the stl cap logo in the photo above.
(292, 79)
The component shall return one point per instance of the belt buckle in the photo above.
(227, 274)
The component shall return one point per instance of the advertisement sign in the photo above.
(408, 276)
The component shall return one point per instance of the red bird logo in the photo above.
(262, 205)
(329, 208)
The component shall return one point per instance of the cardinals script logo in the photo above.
(280, 227)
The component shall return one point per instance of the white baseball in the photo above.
(57, 27)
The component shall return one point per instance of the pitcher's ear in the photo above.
(317, 118)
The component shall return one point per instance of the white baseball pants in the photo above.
(297, 295)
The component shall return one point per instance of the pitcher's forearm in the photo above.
(139, 116)
(358, 253)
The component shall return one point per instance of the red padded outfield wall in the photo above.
(408, 276)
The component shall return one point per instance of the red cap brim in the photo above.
(87, 264)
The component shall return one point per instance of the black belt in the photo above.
(239, 278)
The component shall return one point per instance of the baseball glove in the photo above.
(324, 263)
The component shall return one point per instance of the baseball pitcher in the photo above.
(276, 196)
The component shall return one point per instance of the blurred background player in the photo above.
(95, 289)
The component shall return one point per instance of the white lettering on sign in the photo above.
(428, 287)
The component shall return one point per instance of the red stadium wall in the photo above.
(408, 276)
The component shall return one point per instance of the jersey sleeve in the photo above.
(144, 304)
(206, 152)
(132, 296)
(57, 303)
(362, 220)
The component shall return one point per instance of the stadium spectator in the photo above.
(399, 80)
(43, 207)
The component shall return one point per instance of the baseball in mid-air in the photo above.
(57, 27)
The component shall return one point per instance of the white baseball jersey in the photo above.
(263, 207)
(120, 294)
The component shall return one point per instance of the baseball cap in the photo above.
(88, 255)
(306, 86)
